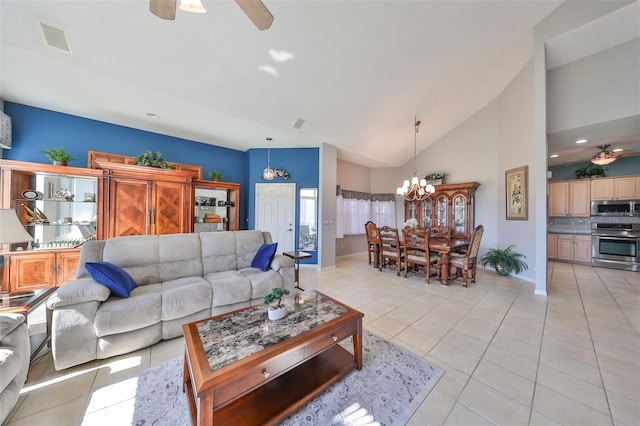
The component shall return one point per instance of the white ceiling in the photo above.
(360, 70)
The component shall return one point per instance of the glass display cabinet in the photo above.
(216, 206)
(59, 206)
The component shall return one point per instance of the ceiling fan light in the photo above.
(193, 6)
(603, 161)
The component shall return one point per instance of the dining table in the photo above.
(444, 247)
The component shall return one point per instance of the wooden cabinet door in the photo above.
(565, 248)
(460, 220)
(170, 208)
(582, 248)
(580, 198)
(558, 199)
(66, 265)
(552, 246)
(129, 207)
(627, 188)
(602, 189)
(32, 272)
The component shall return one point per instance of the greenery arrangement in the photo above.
(276, 294)
(504, 260)
(215, 174)
(590, 171)
(58, 155)
(153, 159)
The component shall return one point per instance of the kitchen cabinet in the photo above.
(552, 246)
(569, 198)
(451, 205)
(574, 248)
(37, 269)
(142, 200)
(618, 188)
(220, 200)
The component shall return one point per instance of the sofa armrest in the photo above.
(9, 322)
(79, 291)
(280, 261)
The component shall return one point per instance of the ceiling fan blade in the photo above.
(257, 12)
(165, 9)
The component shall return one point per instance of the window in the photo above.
(354, 209)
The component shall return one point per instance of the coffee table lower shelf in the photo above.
(283, 395)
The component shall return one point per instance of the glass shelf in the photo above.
(26, 200)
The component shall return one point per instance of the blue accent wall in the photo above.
(303, 166)
(35, 129)
(623, 166)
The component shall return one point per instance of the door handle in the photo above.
(289, 229)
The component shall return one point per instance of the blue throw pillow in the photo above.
(111, 276)
(264, 256)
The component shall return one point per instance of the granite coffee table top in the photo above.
(229, 338)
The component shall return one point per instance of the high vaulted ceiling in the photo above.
(356, 71)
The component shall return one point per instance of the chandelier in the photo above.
(415, 190)
(268, 173)
(603, 157)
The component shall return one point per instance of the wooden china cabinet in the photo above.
(220, 199)
(451, 205)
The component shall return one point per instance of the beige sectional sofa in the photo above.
(180, 278)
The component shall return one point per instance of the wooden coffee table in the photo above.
(242, 369)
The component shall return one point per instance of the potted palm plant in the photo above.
(504, 260)
(278, 311)
(58, 156)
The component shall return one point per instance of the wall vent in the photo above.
(298, 123)
(55, 37)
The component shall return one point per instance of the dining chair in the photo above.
(416, 252)
(373, 243)
(440, 232)
(465, 262)
(391, 253)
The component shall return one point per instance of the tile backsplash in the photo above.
(569, 225)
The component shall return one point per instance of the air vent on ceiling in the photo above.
(55, 37)
(298, 123)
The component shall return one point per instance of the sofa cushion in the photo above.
(184, 296)
(136, 254)
(141, 309)
(247, 244)
(264, 256)
(218, 251)
(180, 256)
(229, 287)
(111, 276)
(262, 281)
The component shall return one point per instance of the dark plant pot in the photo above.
(59, 163)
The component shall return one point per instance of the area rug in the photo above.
(390, 387)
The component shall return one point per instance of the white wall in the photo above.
(599, 88)
(354, 177)
(328, 173)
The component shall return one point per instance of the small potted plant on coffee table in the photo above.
(278, 311)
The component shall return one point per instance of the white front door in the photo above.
(275, 212)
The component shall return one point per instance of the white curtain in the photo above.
(383, 213)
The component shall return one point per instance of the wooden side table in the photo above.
(25, 304)
(296, 256)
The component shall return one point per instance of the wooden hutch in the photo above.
(451, 205)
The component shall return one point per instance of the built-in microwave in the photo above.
(615, 208)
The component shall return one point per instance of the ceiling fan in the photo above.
(254, 9)
(603, 157)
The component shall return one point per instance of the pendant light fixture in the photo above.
(603, 157)
(268, 173)
(415, 190)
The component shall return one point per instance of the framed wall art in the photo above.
(517, 197)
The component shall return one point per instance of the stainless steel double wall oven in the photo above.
(615, 234)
